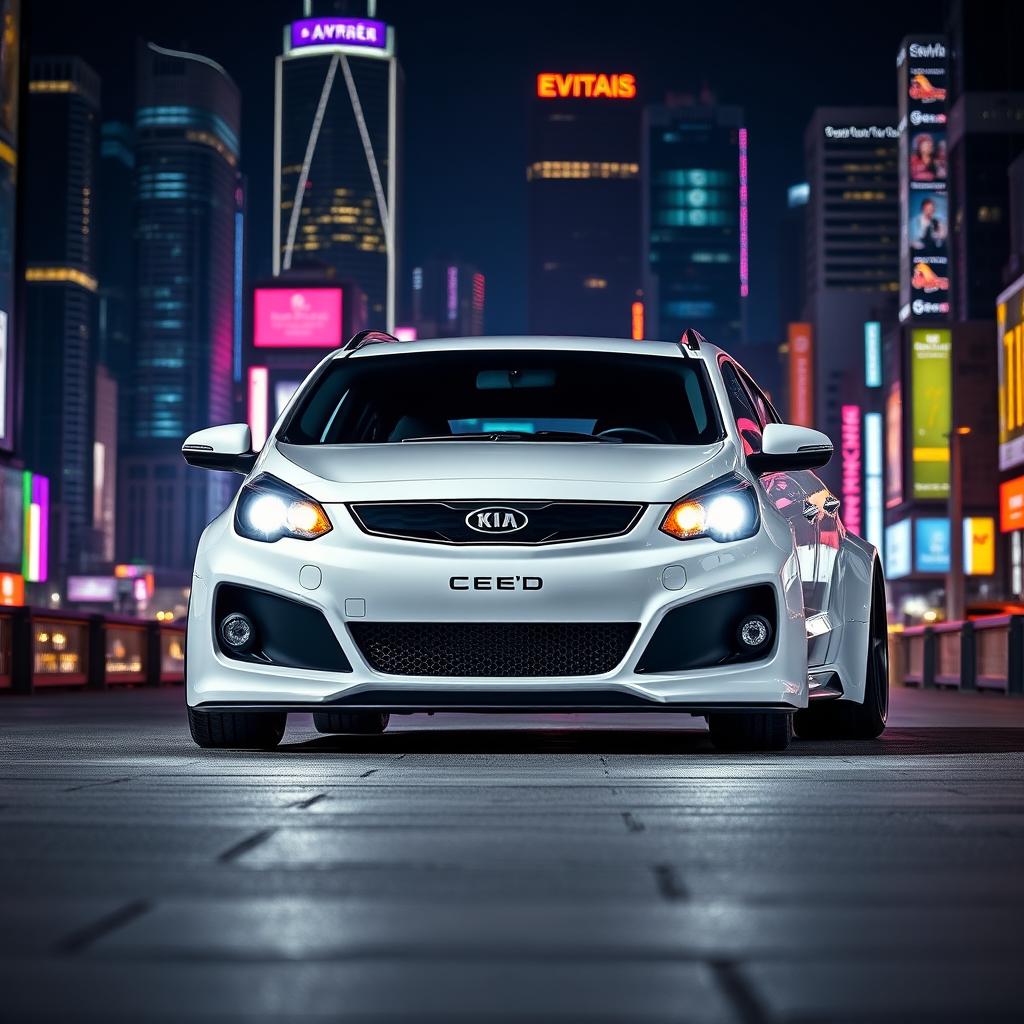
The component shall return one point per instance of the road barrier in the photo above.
(41, 648)
(979, 654)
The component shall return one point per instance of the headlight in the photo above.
(726, 510)
(269, 509)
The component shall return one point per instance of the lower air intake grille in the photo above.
(493, 649)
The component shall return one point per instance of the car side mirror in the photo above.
(787, 448)
(228, 448)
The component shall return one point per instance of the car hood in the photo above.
(497, 470)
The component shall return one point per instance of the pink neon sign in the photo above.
(297, 318)
(850, 447)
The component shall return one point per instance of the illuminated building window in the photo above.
(595, 282)
(51, 85)
(62, 275)
(187, 117)
(559, 169)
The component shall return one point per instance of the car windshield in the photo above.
(547, 395)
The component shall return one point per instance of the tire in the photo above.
(756, 730)
(843, 719)
(237, 730)
(365, 723)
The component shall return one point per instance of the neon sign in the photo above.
(585, 86)
(362, 32)
(851, 449)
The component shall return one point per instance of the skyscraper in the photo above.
(447, 299)
(11, 74)
(115, 255)
(696, 254)
(186, 177)
(336, 155)
(61, 152)
(851, 270)
(583, 181)
(985, 135)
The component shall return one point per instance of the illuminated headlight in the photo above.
(726, 510)
(269, 509)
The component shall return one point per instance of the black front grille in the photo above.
(493, 649)
(546, 522)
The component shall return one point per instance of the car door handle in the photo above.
(831, 505)
(810, 511)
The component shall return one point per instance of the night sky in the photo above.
(469, 71)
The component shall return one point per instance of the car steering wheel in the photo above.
(630, 432)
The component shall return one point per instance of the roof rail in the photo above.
(357, 341)
(691, 340)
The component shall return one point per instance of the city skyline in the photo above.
(753, 61)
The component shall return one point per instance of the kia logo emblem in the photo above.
(496, 519)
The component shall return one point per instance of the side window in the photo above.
(747, 420)
(765, 410)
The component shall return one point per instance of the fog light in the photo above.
(755, 632)
(236, 631)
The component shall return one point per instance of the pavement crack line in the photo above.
(367, 774)
(308, 802)
(102, 782)
(79, 940)
(670, 886)
(738, 992)
(247, 844)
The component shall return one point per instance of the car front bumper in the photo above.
(636, 578)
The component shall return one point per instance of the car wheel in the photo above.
(366, 723)
(843, 719)
(757, 730)
(237, 730)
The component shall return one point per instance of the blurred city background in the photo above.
(198, 201)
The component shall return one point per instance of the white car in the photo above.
(528, 525)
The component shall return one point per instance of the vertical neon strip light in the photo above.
(874, 502)
(744, 219)
(35, 556)
(453, 293)
(239, 243)
(259, 390)
(637, 321)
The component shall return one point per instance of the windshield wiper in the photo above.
(524, 435)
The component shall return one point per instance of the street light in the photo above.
(955, 576)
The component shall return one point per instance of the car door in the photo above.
(821, 506)
(799, 496)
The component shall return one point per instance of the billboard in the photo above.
(1011, 505)
(1010, 358)
(12, 589)
(361, 33)
(897, 549)
(297, 317)
(801, 374)
(924, 205)
(101, 589)
(930, 413)
(932, 545)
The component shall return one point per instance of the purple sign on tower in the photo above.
(339, 32)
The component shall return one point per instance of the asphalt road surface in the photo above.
(471, 868)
